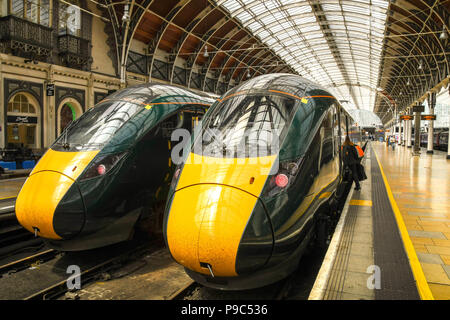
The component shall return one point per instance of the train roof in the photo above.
(282, 82)
(149, 92)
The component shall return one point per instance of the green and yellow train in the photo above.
(106, 169)
(244, 203)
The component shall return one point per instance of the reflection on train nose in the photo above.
(206, 224)
(38, 199)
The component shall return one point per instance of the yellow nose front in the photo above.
(38, 199)
(205, 225)
(214, 200)
(47, 184)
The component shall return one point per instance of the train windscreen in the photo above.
(245, 126)
(96, 126)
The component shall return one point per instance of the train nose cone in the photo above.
(50, 200)
(206, 224)
(43, 204)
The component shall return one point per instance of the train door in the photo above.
(152, 155)
(194, 115)
(326, 135)
(154, 151)
(327, 170)
(337, 133)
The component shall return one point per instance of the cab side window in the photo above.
(326, 133)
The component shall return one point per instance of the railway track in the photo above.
(278, 291)
(13, 237)
(99, 271)
(185, 291)
(27, 262)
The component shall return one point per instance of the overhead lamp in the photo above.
(206, 54)
(248, 74)
(444, 34)
(407, 83)
(420, 65)
(125, 17)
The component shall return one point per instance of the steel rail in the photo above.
(60, 288)
(28, 261)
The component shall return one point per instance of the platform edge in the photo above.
(320, 284)
(419, 276)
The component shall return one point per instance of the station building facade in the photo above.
(56, 61)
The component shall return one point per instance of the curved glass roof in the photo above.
(336, 44)
(365, 118)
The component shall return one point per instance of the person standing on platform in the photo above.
(392, 140)
(351, 160)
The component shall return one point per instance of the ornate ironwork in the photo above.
(137, 63)
(160, 70)
(74, 51)
(25, 38)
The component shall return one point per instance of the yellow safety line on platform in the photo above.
(421, 281)
(367, 203)
(7, 198)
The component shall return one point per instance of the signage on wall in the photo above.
(428, 117)
(418, 108)
(407, 117)
(22, 119)
(50, 89)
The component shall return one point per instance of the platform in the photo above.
(9, 188)
(12, 174)
(393, 240)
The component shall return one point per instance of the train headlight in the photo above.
(102, 165)
(101, 169)
(281, 181)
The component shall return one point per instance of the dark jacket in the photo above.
(350, 155)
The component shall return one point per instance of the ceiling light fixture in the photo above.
(126, 16)
(444, 34)
(206, 54)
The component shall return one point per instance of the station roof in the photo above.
(375, 55)
(365, 118)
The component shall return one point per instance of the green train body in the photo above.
(107, 169)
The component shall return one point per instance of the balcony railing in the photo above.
(74, 51)
(25, 38)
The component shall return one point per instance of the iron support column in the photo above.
(408, 133)
(431, 105)
(416, 150)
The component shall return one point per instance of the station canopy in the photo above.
(365, 118)
(337, 44)
(354, 47)
(376, 55)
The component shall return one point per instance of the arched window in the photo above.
(68, 114)
(20, 104)
(23, 122)
(68, 110)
